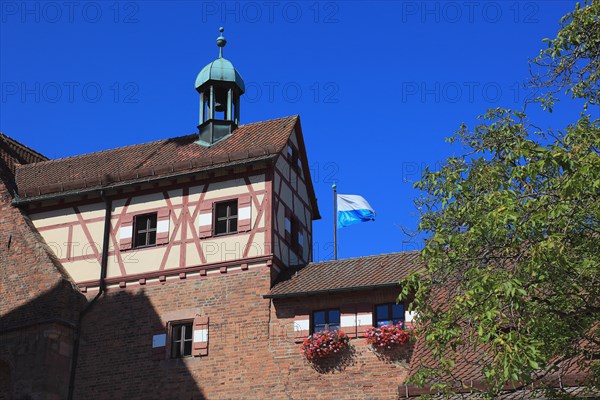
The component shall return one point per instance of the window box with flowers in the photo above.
(389, 337)
(324, 344)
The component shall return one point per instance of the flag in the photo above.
(352, 209)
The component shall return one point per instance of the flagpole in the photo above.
(334, 187)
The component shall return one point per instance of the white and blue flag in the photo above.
(352, 209)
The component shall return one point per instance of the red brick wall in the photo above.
(116, 361)
(252, 351)
(29, 271)
(366, 375)
(38, 307)
(38, 360)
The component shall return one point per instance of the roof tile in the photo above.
(159, 158)
(346, 274)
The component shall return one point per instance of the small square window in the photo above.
(326, 320)
(181, 339)
(226, 217)
(389, 314)
(145, 230)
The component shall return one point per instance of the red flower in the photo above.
(388, 336)
(323, 344)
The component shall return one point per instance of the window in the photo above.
(145, 230)
(294, 158)
(226, 217)
(181, 339)
(326, 320)
(389, 314)
(288, 225)
(293, 232)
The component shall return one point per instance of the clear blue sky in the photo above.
(378, 85)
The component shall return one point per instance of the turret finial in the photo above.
(221, 42)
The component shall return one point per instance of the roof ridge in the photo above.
(272, 119)
(141, 144)
(25, 147)
(105, 150)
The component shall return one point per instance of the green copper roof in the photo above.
(220, 70)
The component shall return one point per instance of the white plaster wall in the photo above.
(217, 249)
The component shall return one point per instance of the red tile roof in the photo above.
(248, 143)
(347, 274)
(156, 158)
(13, 153)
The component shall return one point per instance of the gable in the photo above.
(293, 162)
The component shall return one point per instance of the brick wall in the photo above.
(252, 354)
(36, 362)
(364, 375)
(116, 358)
(39, 305)
(29, 272)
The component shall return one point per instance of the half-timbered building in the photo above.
(183, 269)
(195, 256)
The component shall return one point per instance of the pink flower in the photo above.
(387, 336)
(322, 344)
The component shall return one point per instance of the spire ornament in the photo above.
(221, 42)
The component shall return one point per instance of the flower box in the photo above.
(323, 344)
(387, 337)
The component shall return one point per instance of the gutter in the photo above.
(88, 307)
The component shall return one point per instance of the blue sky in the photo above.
(378, 85)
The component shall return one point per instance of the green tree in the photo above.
(512, 253)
